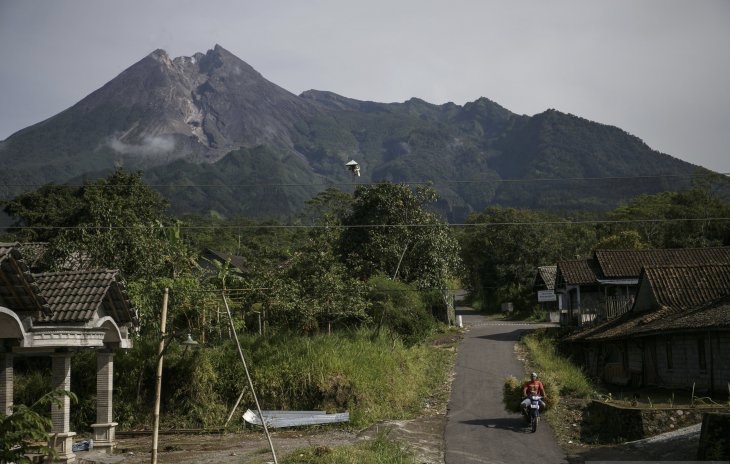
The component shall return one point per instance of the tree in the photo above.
(622, 240)
(40, 215)
(316, 290)
(116, 223)
(693, 218)
(390, 231)
(503, 247)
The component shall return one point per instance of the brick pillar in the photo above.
(61, 437)
(6, 383)
(104, 428)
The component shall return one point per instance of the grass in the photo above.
(373, 378)
(386, 381)
(567, 381)
(553, 367)
(378, 451)
(566, 385)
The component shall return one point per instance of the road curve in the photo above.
(478, 428)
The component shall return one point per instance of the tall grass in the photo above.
(554, 368)
(372, 377)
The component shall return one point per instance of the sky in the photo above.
(658, 69)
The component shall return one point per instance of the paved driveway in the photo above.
(478, 428)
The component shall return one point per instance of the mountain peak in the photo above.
(168, 115)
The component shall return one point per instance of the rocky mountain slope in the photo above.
(215, 135)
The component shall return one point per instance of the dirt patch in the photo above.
(423, 435)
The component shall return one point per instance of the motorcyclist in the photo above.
(533, 387)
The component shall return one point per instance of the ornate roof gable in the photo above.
(81, 296)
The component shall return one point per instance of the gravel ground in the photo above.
(424, 435)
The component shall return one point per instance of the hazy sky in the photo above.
(659, 69)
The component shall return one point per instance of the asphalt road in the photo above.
(478, 428)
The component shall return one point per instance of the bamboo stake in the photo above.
(248, 377)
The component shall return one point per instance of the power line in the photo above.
(369, 226)
(352, 184)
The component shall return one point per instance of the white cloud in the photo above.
(156, 145)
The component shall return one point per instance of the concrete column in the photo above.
(61, 437)
(6, 383)
(104, 428)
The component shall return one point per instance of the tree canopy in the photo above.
(389, 230)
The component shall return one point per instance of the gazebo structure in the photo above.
(56, 314)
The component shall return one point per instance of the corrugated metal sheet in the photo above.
(279, 419)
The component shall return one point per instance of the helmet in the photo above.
(534, 375)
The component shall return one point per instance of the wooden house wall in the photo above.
(635, 362)
(678, 363)
(719, 358)
(644, 298)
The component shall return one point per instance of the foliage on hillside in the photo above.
(502, 247)
(326, 310)
(343, 371)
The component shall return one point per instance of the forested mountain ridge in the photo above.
(213, 135)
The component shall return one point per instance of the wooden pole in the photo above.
(250, 382)
(158, 382)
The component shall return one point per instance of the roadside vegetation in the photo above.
(377, 451)
(569, 390)
(558, 374)
(336, 310)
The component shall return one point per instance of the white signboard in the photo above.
(546, 295)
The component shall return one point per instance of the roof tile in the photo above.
(628, 263)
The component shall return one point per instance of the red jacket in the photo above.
(532, 387)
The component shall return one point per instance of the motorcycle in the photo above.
(532, 412)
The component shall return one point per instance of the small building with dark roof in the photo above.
(604, 286)
(676, 335)
(55, 314)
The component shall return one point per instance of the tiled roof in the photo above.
(689, 298)
(547, 275)
(576, 272)
(715, 314)
(586, 333)
(76, 296)
(628, 263)
(688, 286)
(18, 289)
(239, 262)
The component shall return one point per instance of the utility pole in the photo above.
(158, 383)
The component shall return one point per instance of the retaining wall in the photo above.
(610, 423)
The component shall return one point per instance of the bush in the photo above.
(401, 307)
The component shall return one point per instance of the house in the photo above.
(54, 315)
(604, 286)
(544, 286)
(210, 259)
(676, 335)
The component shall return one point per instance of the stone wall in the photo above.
(610, 423)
